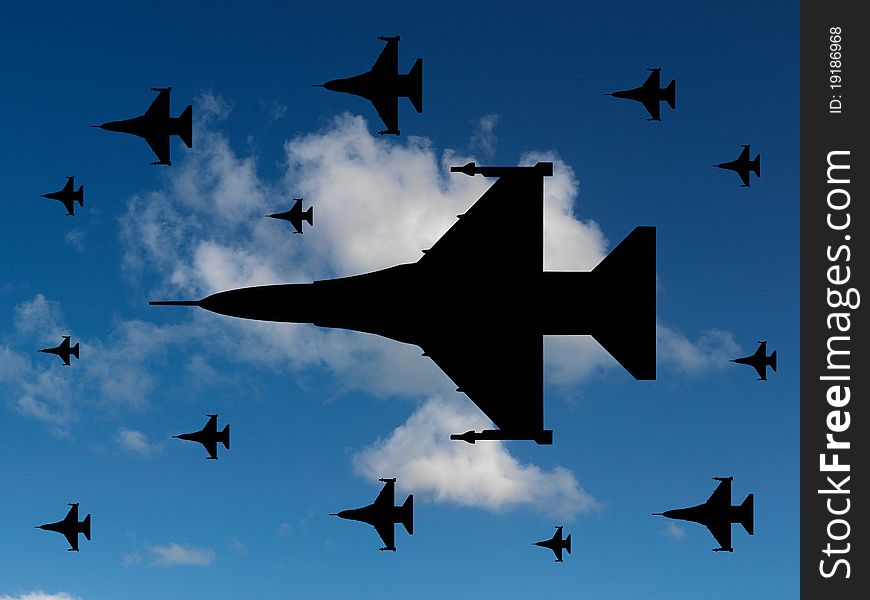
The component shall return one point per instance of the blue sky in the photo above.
(317, 416)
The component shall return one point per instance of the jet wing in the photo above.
(296, 216)
(653, 107)
(744, 155)
(211, 426)
(211, 447)
(68, 186)
(557, 550)
(721, 496)
(388, 110)
(387, 531)
(501, 371)
(387, 496)
(761, 369)
(160, 146)
(159, 109)
(69, 204)
(721, 530)
(72, 536)
(497, 363)
(653, 82)
(387, 64)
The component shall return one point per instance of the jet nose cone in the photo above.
(336, 85)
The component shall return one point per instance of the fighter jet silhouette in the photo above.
(68, 196)
(491, 347)
(156, 126)
(63, 350)
(717, 514)
(650, 94)
(209, 437)
(382, 514)
(759, 361)
(383, 85)
(70, 527)
(557, 544)
(296, 216)
(742, 165)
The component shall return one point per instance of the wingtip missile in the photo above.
(468, 436)
(468, 169)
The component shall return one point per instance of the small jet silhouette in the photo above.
(383, 85)
(63, 350)
(68, 196)
(209, 437)
(759, 361)
(382, 514)
(296, 216)
(495, 357)
(717, 514)
(650, 94)
(156, 126)
(70, 527)
(557, 544)
(742, 165)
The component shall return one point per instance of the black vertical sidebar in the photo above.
(834, 357)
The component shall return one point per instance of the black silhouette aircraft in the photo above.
(295, 215)
(68, 196)
(742, 165)
(156, 126)
(717, 514)
(70, 527)
(383, 85)
(650, 94)
(557, 544)
(209, 437)
(382, 514)
(63, 350)
(491, 347)
(759, 361)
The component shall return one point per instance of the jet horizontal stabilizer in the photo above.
(746, 512)
(414, 83)
(625, 302)
(407, 514)
(86, 527)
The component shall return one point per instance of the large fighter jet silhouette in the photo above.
(557, 544)
(742, 165)
(383, 85)
(296, 215)
(68, 196)
(63, 350)
(382, 514)
(759, 361)
(70, 527)
(209, 437)
(650, 94)
(478, 303)
(156, 126)
(717, 514)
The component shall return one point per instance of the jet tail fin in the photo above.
(671, 94)
(415, 85)
(75, 351)
(407, 514)
(626, 282)
(568, 543)
(747, 514)
(184, 126)
(756, 168)
(86, 527)
(224, 437)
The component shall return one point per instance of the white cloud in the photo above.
(674, 531)
(710, 351)
(483, 138)
(75, 238)
(433, 467)
(40, 595)
(134, 442)
(178, 555)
